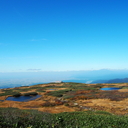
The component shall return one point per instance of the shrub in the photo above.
(40, 90)
(30, 93)
(15, 118)
(58, 93)
(9, 92)
(82, 97)
(48, 104)
(59, 102)
(17, 94)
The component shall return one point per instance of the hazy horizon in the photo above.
(13, 79)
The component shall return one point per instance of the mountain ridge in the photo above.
(117, 80)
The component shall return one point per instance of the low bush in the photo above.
(24, 89)
(40, 90)
(48, 104)
(30, 93)
(15, 118)
(9, 92)
(89, 120)
(124, 87)
(16, 94)
(58, 93)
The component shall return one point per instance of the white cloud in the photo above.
(34, 70)
(38, 39)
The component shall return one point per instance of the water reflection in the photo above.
(23, 98)
(108, 89)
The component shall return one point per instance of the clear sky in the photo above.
(62, 35)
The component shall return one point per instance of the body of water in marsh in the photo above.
(23, 98)
(109, 89)
(52, 89)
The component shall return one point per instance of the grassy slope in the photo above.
(15, 118)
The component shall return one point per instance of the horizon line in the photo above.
(34, 71)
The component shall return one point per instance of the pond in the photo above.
(52, 89)
(23, 98)
(108, 89)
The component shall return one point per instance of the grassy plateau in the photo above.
(65, 105)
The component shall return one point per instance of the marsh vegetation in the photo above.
(66, 105)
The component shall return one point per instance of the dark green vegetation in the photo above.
(15, 118)
(59, 93)
(30, 94)
(8, 92)
(16, 93)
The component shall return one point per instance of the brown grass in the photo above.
(116, 107)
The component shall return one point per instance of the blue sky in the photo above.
(63, 35)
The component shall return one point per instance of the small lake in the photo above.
(23, 98)
(108, 89)
(52, 89)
